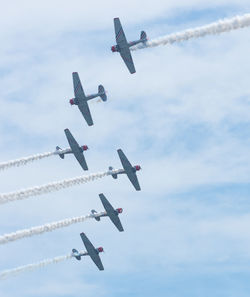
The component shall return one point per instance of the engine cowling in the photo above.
(85, 147)
(72, 101)
(100, 250)
(137, 167)
(113, 48)
(119, 210)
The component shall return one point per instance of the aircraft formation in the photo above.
(79, 152)
(90, 249)
(123, 47)
(81, 100)
(128, 169)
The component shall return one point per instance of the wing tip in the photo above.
(90, 121)
(101, 195)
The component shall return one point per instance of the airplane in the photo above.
(75, 149)
(82, 100)
(123, 46)
(91, 251)
(127, 169)
(110, 212)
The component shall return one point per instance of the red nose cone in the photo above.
(85, 147)
(113, 48)
(100, 249)
(138, 167)
(119, 210)
(71, 101)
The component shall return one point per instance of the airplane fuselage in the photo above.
(69, 150)
(123, 171)
(78, 255)
(97, 216)
(62, 152)
(116, 48)
(133, 169)
(77, 101)
(89, 97)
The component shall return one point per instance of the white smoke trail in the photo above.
(218, 27)
(12, 272)
(24, 161)
(51, 187)
(45, 228)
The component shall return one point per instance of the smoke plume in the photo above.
(225, 25)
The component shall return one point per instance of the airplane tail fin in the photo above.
(143, 36)
(102, 92)
(96, 218)
(75, 253)
(113, 175)
(60, 155)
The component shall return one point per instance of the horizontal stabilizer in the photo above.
(102, 93)
(143, 36)
(113, 175)
(96, 218)
(76, 254)
(60, 155)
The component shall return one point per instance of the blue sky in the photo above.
(184, 116)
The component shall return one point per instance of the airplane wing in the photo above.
(111, 213)
(92, 251)
(129, 170)
(84, 109)
(76, 149)
(82, 102)
(119, 34)
(78, 90)
(123, 46)
(127, 58)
